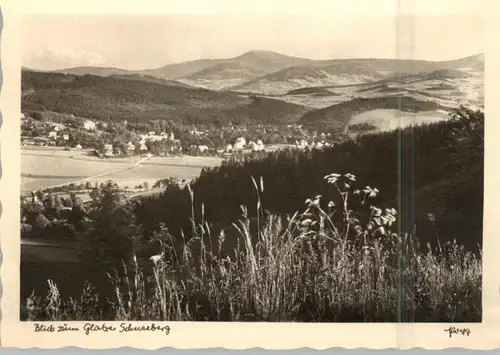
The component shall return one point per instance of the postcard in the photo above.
(263, 174)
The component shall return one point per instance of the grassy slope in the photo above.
(337, 116)
(117, 98)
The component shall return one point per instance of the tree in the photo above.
(41, 222)
(113, 234)
(51, 206)
(39, 116)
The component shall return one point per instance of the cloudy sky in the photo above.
(139, 42)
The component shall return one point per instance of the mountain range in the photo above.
(268, 72)
(258, 86)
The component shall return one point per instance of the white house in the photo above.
(108, 150)
(301, 144)
(256, 147)
(65, 137)
(78, 146)
(197, 133)
(202, 148)
(229, 148)
(240, 143)
(130, 146)
(53, 134)
(89, 125)
(143, 147)
(241, 140)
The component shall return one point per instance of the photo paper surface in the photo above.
(274, 175)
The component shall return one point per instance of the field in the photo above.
(157, 168)
(47, 167)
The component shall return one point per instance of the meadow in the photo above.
(390, 119)
(305, 268)
(47, 167)
(156, 168)
(43, 167)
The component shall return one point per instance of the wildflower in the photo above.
(333, 175)
(156, 258)
(350, 177)
(332, 178)
(306, 222)
(331, 204)
(377, 212)
(373, 193)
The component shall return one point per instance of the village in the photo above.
(111, 140)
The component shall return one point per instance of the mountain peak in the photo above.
(261, 54)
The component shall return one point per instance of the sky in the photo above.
(144, 42)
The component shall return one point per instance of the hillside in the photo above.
(222, 75)
(336, 117)
(118, 98)
(100, 71)
(151, 79)
(447, 169)
(239, 70)
(315, 91)
(258, 62)
(339, 72)
(249, 65)
(315, 74)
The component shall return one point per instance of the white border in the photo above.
(185, 335)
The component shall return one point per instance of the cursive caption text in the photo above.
(90, 328)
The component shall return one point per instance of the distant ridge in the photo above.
(268, 72)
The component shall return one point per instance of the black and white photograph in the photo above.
(306, 168)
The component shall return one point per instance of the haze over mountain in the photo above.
(270, 72)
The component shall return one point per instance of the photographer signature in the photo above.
(461, 331)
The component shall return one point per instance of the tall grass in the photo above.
(337, 261)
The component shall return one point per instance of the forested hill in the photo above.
(120, 98)
(448, 181)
